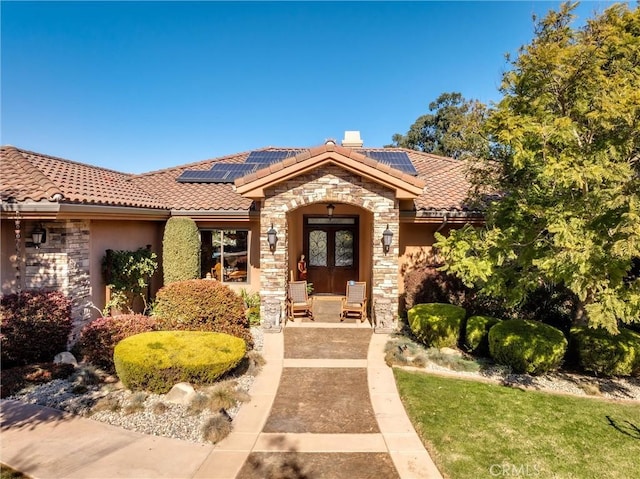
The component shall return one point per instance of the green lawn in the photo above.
(477, 430)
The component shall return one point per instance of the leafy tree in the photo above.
(569, 213)
(454, 129)
(180, 250)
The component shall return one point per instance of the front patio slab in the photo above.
(329, 343)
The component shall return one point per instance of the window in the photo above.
(225, 255)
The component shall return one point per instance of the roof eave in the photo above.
(81, 211)
(217, 215)
(453, 216)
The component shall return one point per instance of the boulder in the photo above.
(181, 393)
(451, 352)
(65, 358)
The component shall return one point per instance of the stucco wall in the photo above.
(416, 246)
(8, 257)
(121, 235)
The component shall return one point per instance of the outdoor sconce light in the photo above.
(38, 236)
(387, 236)
(272, 238)
(330, 209)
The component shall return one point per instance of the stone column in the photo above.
(385, 266)
(62, 263)
(273, 264)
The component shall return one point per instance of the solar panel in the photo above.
(395, 159)
(266, 158)
(195, 176)
(219, 173)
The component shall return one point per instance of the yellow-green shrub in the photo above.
(603, 353)
(157, 360)
(476, 337)
(436, 324)
(527, 346)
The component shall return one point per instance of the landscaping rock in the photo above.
(65, 358)
(181, 393)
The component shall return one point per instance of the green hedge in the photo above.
(600, 352)
(180, 250)
(157, 360)
(476, 337)
(437, 324)
(527, 346)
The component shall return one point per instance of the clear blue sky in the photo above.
(142, 86)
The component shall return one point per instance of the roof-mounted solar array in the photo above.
(265, 158)
(219, 173)
(395, 159)
(228, 172)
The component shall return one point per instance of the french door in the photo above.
(331, 249)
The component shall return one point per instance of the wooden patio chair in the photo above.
(355, 301)
(298, 302)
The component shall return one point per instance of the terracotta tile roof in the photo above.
(32, 176)
(446, 183)
(21, 180)
(194, 196)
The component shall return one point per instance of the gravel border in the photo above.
(175, 421)
(564, 382)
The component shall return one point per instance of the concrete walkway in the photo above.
(45, 443)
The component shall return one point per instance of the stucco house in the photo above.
(333, 203)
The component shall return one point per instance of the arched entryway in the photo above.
(337, 247)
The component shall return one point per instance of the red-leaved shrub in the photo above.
(202, 305)
(35, 326)
(98, 338)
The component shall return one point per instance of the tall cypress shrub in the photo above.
(180, 250)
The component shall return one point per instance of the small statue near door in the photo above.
(302, 269)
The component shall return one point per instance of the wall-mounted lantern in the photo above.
(272, 238)
(330, 209)
(387, 236)
(38, 236)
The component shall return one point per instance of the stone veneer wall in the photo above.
(62, 263)
(336, 185)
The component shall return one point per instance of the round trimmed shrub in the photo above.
(157, 360)
(35, 326)
(603, 353)
(437, 324)
(99, 338)
(476, 337)
(527, 346)
(202, 305)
